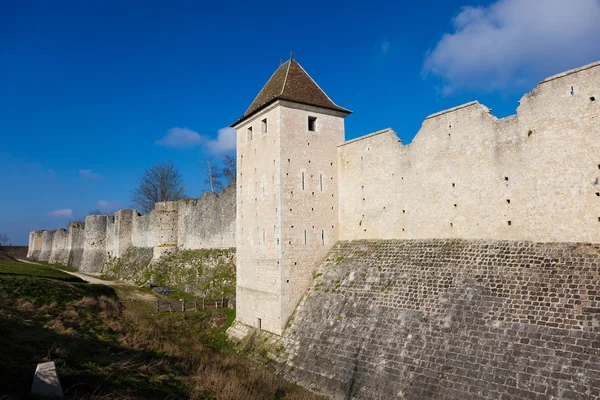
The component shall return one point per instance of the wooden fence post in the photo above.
(203, 304)
(170, 308)
(157, 306)
(195, 306)
(182, 305)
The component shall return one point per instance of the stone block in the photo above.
(45, 381)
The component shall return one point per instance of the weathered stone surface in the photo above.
(451, 319)
(60, 251)
(45, 381)
(75, 243)
(46, 248)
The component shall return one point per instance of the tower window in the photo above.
(249, 133)
(264, 126)
(321, 181)
(312, 124)
(303, 181)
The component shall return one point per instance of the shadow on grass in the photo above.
(80, 333)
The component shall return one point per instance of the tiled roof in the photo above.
(291, 82)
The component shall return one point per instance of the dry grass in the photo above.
(104, 350)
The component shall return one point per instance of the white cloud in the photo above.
(180, 138)
(89, 175)
(185, 138)
(385, 46)
(226, 141)
(512, 43)
(108, 206)
(63, 213)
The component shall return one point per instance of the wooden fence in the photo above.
(194, 305)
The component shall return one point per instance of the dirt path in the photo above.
(131, 292)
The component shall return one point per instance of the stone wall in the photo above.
(60, 250)
(205, 223)
(142, 234)
(75, 243)
(35, 245)
(46, 249)
(532, 176)
(450, 319)
(94, 245)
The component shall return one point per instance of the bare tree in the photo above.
(213, 176)
(161, 182)
(3, 238)
(229, 169)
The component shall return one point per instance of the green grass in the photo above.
(104, 350)
(42, 271)
(59, 266)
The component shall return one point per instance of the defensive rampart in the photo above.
(205, 223)
(75, 243)
(60, 250)
(532, 176)
(46, 248)
(450, 319)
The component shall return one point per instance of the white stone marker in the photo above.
(45, 380)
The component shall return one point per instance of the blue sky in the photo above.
(91, 93)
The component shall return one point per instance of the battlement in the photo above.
(467, 174)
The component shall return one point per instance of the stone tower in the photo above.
(287, 194)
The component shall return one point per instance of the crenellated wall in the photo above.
(205, 223)
(467, 174)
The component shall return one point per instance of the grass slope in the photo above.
(8, 267)
(105, 350)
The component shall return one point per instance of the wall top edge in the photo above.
(571, 71)
(370, 135)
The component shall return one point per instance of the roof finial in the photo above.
(291, 56)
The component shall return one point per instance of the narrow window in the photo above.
(303, 181)
(305, 236)
(323, 237)
(264, 126)
(312, 124)
(258, 324)
(509, 222)
(264, 237)
(249, 133)
(321, 181)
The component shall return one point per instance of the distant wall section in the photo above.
(75, 243)
(46, 249)
(205, 223)
(60, 251)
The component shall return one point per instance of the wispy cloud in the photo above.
(186, 138)
(89, 175)
(512, 43)
(226, 141)
(62, 213)
(385, 46)
(180, 138)
(108, 206)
